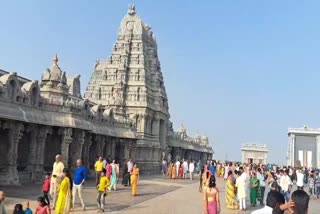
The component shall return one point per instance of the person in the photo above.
(227, 168)
(104, 163)
(285, 184)
(3, 209)
(317, 184)
(180, 171)
(262, 185)
(56, 178)
(27, 209)
(311, 185)
(134, 179)
(198, 168)
(205, 178)
(211, 198)
(201, 178)
(46, 188)
(114, 175)
(177, 167)
(64, 202)
(98, 166)
(164, 167)
(212, 168)
(191, 169)
(125, 174)
(231, 200)
(108, 170)
(241, 191)
(185, 169)
(43, 207)
(254, 185)
(130, 166)
(300, 178)
(274, 201)
(301, 202)
(79, 177)
(173, 171)
(102, 188)
(169, 170)
(18, 209)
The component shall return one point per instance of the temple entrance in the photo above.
(52, 148)
(250, 160)
(119, 152)
(4, 149)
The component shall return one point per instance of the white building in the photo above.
(304, 147)
(254, 153)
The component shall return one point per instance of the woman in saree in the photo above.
(211, 198)
(134, 178)
(205, 178)
(218, 169)
(114, 175)
(169, 170)
(254, 185)
(180, 172)
(222, 171)
(231, 199)
(64, 201)
(173, 171)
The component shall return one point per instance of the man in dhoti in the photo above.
(177, 167)
(185, 169)
(56, 177)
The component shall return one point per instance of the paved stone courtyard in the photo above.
(156, 195)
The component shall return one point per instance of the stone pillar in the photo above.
(65, 146)
(76, 147)
(293, 150)
(100, 140)
(86, 149)
(318, 152)
(32, 158)
(42, 133)
(156, 127)
(15, 135)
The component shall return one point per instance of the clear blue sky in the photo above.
(240, 71)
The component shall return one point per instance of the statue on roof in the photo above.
(132, 10)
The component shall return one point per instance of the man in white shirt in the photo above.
(185, 169)
(285, 184)
(130, 167)
(274, 198)
(300, 178)
(191, 169)
(56, 178)
(177, 167)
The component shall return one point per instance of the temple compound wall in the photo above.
(124, 113)
(304, 147)
(254, 153)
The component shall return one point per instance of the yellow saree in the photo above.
(63, 204)
(134, 180)
(231, 200)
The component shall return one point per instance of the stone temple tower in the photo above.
(130, 85)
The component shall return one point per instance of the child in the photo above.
(46, 188)
(27, 208)
(311, 185)
(43, 207)
(317, 184)
(102, 190)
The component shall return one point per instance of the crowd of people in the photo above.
(271, 187)
(63, 189)
(180, 169)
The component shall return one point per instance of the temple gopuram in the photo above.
(124, 113)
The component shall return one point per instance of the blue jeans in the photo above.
(286, 195)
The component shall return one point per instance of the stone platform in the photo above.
(155, 195)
